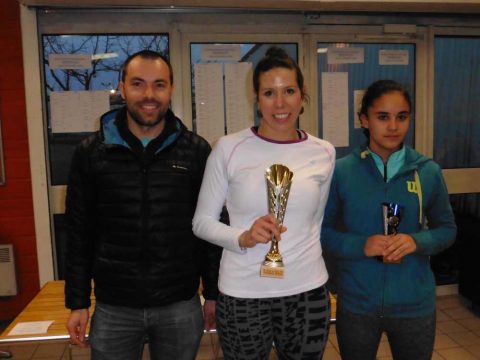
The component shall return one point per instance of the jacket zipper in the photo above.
(144, 232)
(384, 275)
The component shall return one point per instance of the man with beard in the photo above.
(131, 196)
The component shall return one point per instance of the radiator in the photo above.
(8, 279)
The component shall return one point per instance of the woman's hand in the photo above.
(261, 231)
(398, 246)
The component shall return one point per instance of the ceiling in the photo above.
(406, 6)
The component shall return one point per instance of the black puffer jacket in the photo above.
(129, 214)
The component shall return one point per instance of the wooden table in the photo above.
(47, 305)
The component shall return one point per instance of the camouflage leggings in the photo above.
(297, 325)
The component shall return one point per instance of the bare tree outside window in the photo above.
(108, 54)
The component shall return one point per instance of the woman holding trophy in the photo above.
(274, 181)
(387, 212)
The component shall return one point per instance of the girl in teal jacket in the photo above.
(384, 282)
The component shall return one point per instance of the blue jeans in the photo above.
(409, 338)
(173, 331)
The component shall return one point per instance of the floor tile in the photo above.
(457, 313)
(474, 350)
(465, 338)
(383, 338)
(441, 316)
(437, 356)
(457, 354)
(384, 350)
(49, 351)
(331, 354)
(472, 323)
(444, 342)
(450, 301)
(22, 351)
(332, 338)
(451, 326)
(205, 353)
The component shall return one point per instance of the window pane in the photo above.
(457, 102)
(362, 74)
(250, 53)
(102, 73)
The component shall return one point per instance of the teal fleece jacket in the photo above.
(366, 285)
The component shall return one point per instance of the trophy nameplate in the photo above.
(279, 180)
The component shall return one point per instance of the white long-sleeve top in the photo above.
(235, 176)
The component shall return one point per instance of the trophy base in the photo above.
(272, 269)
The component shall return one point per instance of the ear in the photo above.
(364, 121)
(121, 87)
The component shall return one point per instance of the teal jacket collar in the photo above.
(114, 130)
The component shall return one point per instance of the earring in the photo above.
(302, 110)
(259, 114)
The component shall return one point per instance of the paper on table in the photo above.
(30, 327)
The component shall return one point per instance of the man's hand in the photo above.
(77, 326)
(209, 315)
(398, 246)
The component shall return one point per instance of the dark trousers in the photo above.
(409, 338)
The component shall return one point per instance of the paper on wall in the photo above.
(69, 61)
(347, 55)
(357, 106)
(77, 111)
(209, 107)
(393, 57)
(238, 96)
(335, 107)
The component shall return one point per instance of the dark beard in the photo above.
(140, 121)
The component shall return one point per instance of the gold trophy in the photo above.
(279, 179)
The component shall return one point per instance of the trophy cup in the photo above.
(279, 180)
(391, 221)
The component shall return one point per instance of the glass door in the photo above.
(344, 70)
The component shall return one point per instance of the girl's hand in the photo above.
(398, 246)
(375, 245)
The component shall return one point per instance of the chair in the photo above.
(5, 354)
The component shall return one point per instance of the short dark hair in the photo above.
(276, 57)
(377, 89)
(147, 54)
